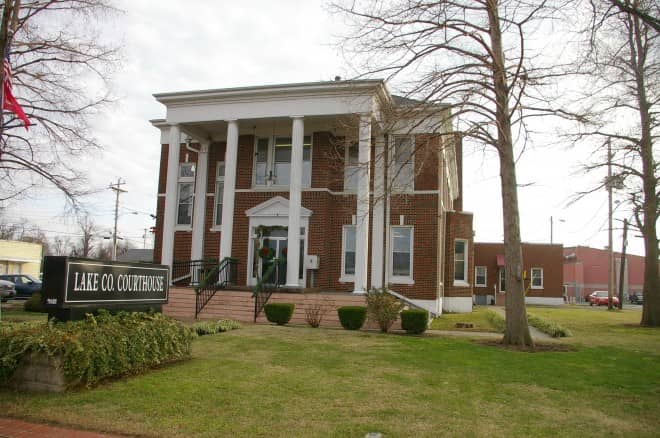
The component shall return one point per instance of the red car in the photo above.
(600, 298)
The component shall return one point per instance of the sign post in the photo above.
(73, 287)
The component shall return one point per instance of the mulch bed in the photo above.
(539, 347)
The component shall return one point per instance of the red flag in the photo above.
(9, 102)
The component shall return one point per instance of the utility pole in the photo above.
(144, 239)
(610, 265)
(118, 190)
(622, 269)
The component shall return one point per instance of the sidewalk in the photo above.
(12, 428)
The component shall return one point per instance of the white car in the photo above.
(7, 290)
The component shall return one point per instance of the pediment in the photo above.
(275, 207)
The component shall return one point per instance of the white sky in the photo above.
(202, 44)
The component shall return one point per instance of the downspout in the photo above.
(386, 216)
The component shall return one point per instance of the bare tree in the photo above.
(470, 54)
(53, 46)
(85, 245)
(620, 107)
(61, 246)
(643, 11)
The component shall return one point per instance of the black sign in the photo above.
(73, 282)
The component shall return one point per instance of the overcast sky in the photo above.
(200, 44)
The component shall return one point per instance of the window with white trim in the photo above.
(351, 167)
(502, 280)
(348, 251)
(480, 276)
(185, 193)
(219, 191)
(273, 161)
(403, 169)
(460, 261)
(537, 278)
(401, 255)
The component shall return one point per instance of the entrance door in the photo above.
(273, 271)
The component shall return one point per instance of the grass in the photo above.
(479, 317)
(12, 311)
(295, 381)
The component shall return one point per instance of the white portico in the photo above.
(290, 112)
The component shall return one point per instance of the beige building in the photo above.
(20, 257)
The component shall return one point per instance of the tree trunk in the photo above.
(517, 330)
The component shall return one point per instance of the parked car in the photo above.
(600, 298)
(25, 285)
(637, 298)
(7, 290)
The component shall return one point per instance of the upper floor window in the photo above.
(273, 161)
(480, 276)
(537, 278)
(351, 167)
(219, 191)
(460, 261)
(186, 193)
(402, 169)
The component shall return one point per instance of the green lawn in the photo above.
(12, 311)
(296, 381)
(447, 321)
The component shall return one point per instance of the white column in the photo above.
(295, 200)
(199, 209)
(231, 160)
(377, 229)
(169, 215)
(362, 217)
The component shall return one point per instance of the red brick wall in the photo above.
(459, 226)
(426, 162)
(546, 256)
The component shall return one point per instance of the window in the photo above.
(348, 244)
(219, 191)
(351, 167)
(480, 276)
(460, 261)
(403, 166)
(502, 280)
(273, 161)
(186, 193)
(537, 278)
(402, 250)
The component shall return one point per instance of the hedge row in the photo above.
(211, 327)
(496, 320)
(549, 327)
(98, 347)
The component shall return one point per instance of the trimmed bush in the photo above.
(34, 304)
(352, 317)
(98, 347)
(279, 313)
(496, 320)
(414, 321)
(549, 327)
(212, 327)
(383, 308)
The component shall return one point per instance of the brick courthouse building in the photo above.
(353, 187)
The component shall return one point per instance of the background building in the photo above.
(20, 257)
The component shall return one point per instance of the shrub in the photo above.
(352, 317)
(383, 308)
(34, 304)
(549, 327)
(315, 311)
(211, 327)
(414, 321)
(279, 313)
(496, 320)
(99, 346)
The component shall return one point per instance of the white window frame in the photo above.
(531, 277)
(501, 278)
(346, 278)
(476, 282)
(394, 171)
(218, 197)
(270, 162)
(350, 170)
(181, 181)
(466, 259)
(401, 279)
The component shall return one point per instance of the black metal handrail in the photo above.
(206, 276)
(266, 286)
